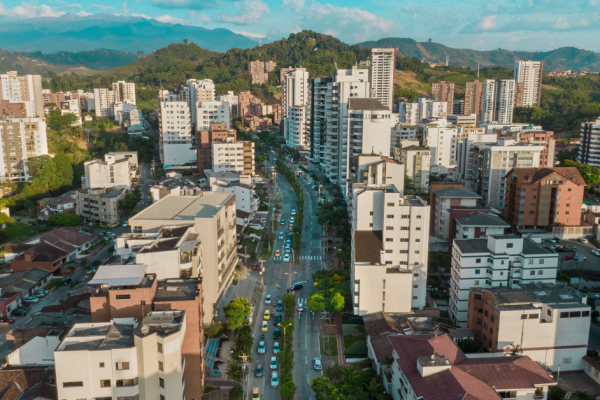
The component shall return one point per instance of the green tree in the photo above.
(237, 392)
(64, 170)
(289, 301)
(5, 219)
(470, 346)
(57, 122)
(316, 302)
(123, 147)
(336, 303)
(234, 371)
(591, 175)
(374, 390)
(28, 204)
(288, 390)
(237, 311)
(65, 220)
(514, 349)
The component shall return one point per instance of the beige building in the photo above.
(233, 156)
(197, 90)
(123, 359)
(100, 206)
(124, 92)
(383, 65)
(20, 140)
(113, 172)
(213, 218)
(417, 161)
(104, 100)
(23, 89)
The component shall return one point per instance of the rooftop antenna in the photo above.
(259, 42)
(478, 70)
(447, 58)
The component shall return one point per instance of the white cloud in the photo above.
(415, 16)
(167, 19)
(140, 16)
(31, 11)
(205, 18)
(560, 24)
(488, 22)
(125, 8)
(249, 34)
(250, 12)
(83, 14)
(295, 5)
(102, 7)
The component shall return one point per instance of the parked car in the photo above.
(277, 334)
(277, 320)
(568, 258)
(279, 305)
(286, 258)
(66, 281)
(259, 370)
(126, 223)
(41, 293)
(12, 320)
(580, 257)
(18, 312)
(261, 347)
(596, 253)
(276, 348)
(317, 364)
(268, 299)
(557, 240)
(584, 240)
(31, 300)
(273, 363)
(255, 267)
(275, 379)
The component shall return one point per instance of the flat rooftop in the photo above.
(480, 246)
(184, 208)
(177, 290)
(556, 295)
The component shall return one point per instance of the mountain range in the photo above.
(564, 58)
(107, 31)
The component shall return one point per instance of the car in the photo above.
(261, 347)
(300, 305)
(580, 257)
(286, 258)
(550, 240)
(276, 348)
(596, 253)
(280, 235)
(126, 223)
(277, 253)
(584, 240)
(41, 293)
(288, 250)
(267, 315)
(254, 267)
(568, 258)
(264, 327)
(291, 226)
(273, 363)
(31, 300)
(268, 299)
(279, 305)
(288, 242)
(277, 320)
(275, 379)
(557, 240)
(282, 221)
(292, 220)
(12, 320)
(66, 281)
(18, 312)
(255, 393)
(277, 334)
(317, 363)
(297, 286)
(293, 211)
(259, 370)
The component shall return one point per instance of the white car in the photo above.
(584, 240)
(286, 258)
(317, 364)
(294, 211)
(31, 300)
(268, 299)
(126, 223)
(596, 253)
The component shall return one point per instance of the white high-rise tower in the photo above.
(383, 63)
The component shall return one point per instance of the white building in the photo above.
(329, 118)
(123, 359)
(389, 239)
(239, 185)
(71, 107)
(297, 127)
(104, 100)
(213, 217)
(490, 162)
(589, 150)
(119, 107)
(498, 101)
(124, 92)
(431, 110)
(233, 156)
(198, 90)
(177, 145)
(23, 89)
(20, 140)
(499, 260)
(295, 108)
(295, 90)
(528, 76)
(417, 161)
(383, 64)
(463, 150)
(409, 112)
(113, 172)
(402, 132)
(478, 224)
(441, 138)
(211, 112)
(230, 99)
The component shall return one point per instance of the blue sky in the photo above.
(481, 25)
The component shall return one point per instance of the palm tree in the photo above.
(234, 371)
(374, 390)
(514, 349)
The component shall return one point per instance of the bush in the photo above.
(557, 393)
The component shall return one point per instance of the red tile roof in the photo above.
(66, 234)
(530, 175)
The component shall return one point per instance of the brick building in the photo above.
(259, 71)
(248, 105)
(12, 110)
(258, 123)
(541, 197)
(205, 138)
(434, 187)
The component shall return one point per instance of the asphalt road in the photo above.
(306, 335)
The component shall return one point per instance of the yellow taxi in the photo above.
(265, 327)
(277, 253)
(255, 393)
(267, 315)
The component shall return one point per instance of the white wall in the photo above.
(38, 351)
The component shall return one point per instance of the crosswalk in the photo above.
(301, 258)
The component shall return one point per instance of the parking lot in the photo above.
(592, 261)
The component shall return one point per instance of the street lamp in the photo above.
(284, 328)
(290, 274)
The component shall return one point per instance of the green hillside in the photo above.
(95, 59)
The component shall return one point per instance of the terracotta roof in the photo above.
(44, 252)
(242, 214)
(66, 234)
(15, 248)
(21, 383)
(530, 175)
(380, 323)
(382, 348)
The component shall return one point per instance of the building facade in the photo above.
(204, 138)
(441, 138)
(443, 91)
(124, 92)
(473, 97)
(589, 152)
(104, 99)
(113, 172)
(26, 89)
(418, 162)
(297, 127)
(445, 200)
(177, 145)
(20, 140)
(259, 71)
(383, 65)
(528, 77)
(233, 156)
(211, 112)
(100, 205)
(498, 101)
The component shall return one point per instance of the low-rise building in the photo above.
(240, 185)
(66, 203)
(549, 322)
(233, 156)
(20, 140)
(258, 123)
(113, 172)
(497, 261)
(26, 282)
(418, 162)
(100, 206)
(204, 138)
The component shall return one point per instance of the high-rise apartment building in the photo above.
(389, 239)
(528, 76)
(104, 100)
(204, 138)
(589, 150)
(210, 112)
(23, 88)
(20, 140)
(113, 172)
(383, 65)
(459, 107)
(541, 197)
(490, 162)
(473, 98)
(213, 216)
(409, 112)
(496, 261)
(177, 145)
(198, 90)
(124, 92)
(297, 127)
(232, 156)
(329, 118)
(443, 91)
(259, 71)
(441, 138)
(249, 105)
(498, 101)
(230, 99)
(466, 139)
(295, 108)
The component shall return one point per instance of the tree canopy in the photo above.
(591, 175)
(65, 220)
(237, 311)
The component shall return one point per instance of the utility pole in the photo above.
(284, 328)
(290, 274)
(245, 261)
(244, 358)
(262, 269)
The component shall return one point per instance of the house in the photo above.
(25, 383)
(65, 203)
(25, 282)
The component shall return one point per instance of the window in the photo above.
(541, 261)
(534, 316)
(101, 365)
(105, 383)
(72, 384)
(476, 283)
(523, 316)
(492, 319)
(485, 325)
(159, 347)
(585, 313)
(491, 330)
(478, 260)
(390, 204)
(389, 216)
(371, 213)
(509, 245)
(388, 251)
(564, 315)
(161, 382)
(122, 365)
(485, 312)
(370, 225)
(415, 297)
(575, 314)
(389, 228)
(418, 217)
(123, 297)
(532, 272)
(162, 397)
(417, 252)
(126, 382)
(404, 228)
(160, 366)
(477, 271)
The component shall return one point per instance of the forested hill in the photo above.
(171, 66)
(561, 59)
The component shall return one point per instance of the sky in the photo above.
(475, 24)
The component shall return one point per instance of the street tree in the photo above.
(591, 175)
(237, 311)
(316, 302)
(65, 220)
(288, 390)
(336, 303)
